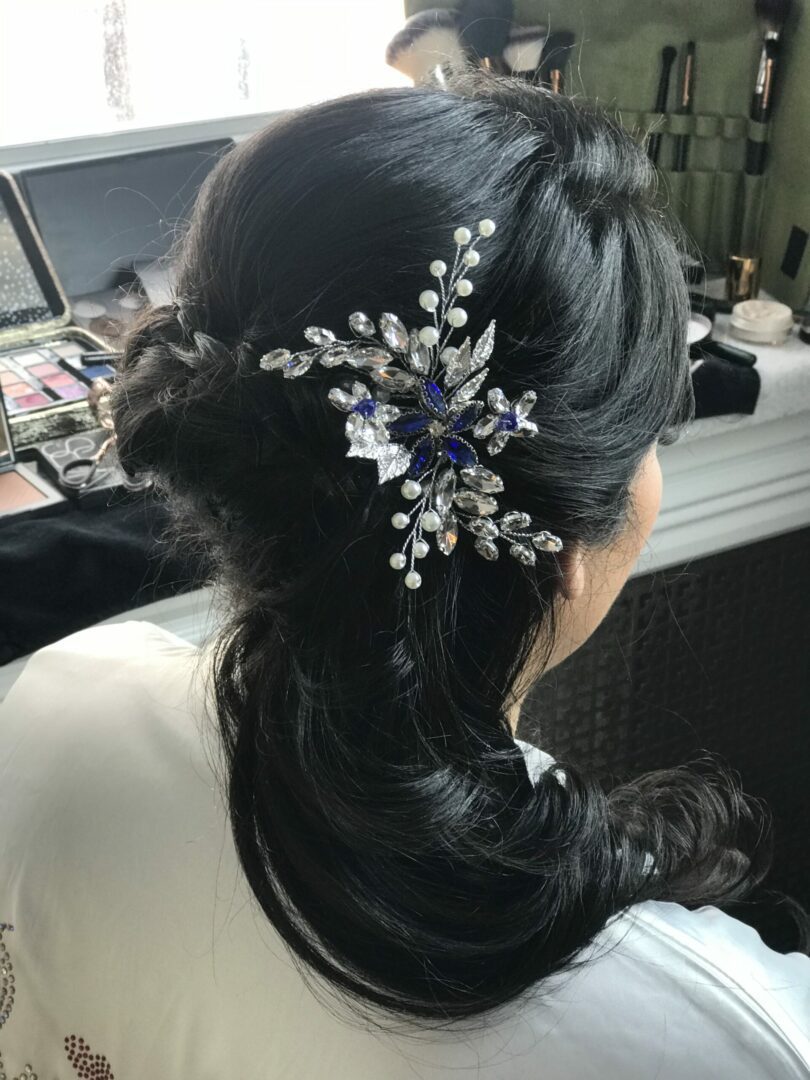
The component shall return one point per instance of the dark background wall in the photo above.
(714, 655)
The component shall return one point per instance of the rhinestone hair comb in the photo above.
(422, 406)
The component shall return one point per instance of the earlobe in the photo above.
(572, 564)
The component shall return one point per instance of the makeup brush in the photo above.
(668, 54)
(772, 15)
(685, 106)
(556, 51)
(524, 49)
(428, 41)
(484, 27)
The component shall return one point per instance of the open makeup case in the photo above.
(54, 377)
(744, 186)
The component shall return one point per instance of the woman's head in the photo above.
(382, 812)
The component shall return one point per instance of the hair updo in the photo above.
(381, 809)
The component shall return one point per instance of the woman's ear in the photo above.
(572, 562)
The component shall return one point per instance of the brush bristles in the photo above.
(772, 13)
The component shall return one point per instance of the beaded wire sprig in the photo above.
(423, 404)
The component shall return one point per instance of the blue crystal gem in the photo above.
(467, 417)
(423, 455)
(409, 424)
(433, 398)
(508, 421)
(366, 407)
(460, 452)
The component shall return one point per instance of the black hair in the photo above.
(380, 806)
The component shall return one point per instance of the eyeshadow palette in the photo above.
(47, 365)
(23, 493)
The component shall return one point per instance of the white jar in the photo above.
(764, 321)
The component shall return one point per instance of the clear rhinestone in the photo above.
(341, 400)
(484, 427)
(274, 360)
(482, 479)
(330, 358)
(526, 428)
(498, 401)
(396, 380)
(483, 347)
(361, 324)
(298, 365)
(418, 354)
(471, 388)
(360, 391)
(458, 367)
(525, 403)
(319, 336)
(546, 541)
(393, 332)
(515, 520)
(487, 548)
(445, 489)
(523, 554)
(367, 357)
(484, 527)
(447, 536)
(498, 442)
(475, 502)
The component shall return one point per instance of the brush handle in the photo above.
(756, 153)
(668, 54)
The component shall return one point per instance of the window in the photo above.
(87, 67)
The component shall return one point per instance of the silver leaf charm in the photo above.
(319, 336)
(392, 460)
(471, 388)
(459, 366)
(483, 347)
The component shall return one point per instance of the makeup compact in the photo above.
(47, 365)
(22, 492)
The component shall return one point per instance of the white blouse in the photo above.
(138, 952)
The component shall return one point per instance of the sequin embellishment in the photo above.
(87, 1064)
(6, 976)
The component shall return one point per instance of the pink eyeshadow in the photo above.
(60, 379)
(7, 378)
(32, 401)
(45, 369)
(16, 492)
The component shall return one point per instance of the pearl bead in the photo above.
(411, 489)
(462, 236)
(449, 354)
(464, 287)
(429, 335)
(428, 300)
(431, 521)
(438, 268)
(400, 520)
(486, 227)
(397, 561)
(413, 580)
(421, 548)
(471, 258)
(456, 316)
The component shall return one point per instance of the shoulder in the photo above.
(95, 709)
(705, 974)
